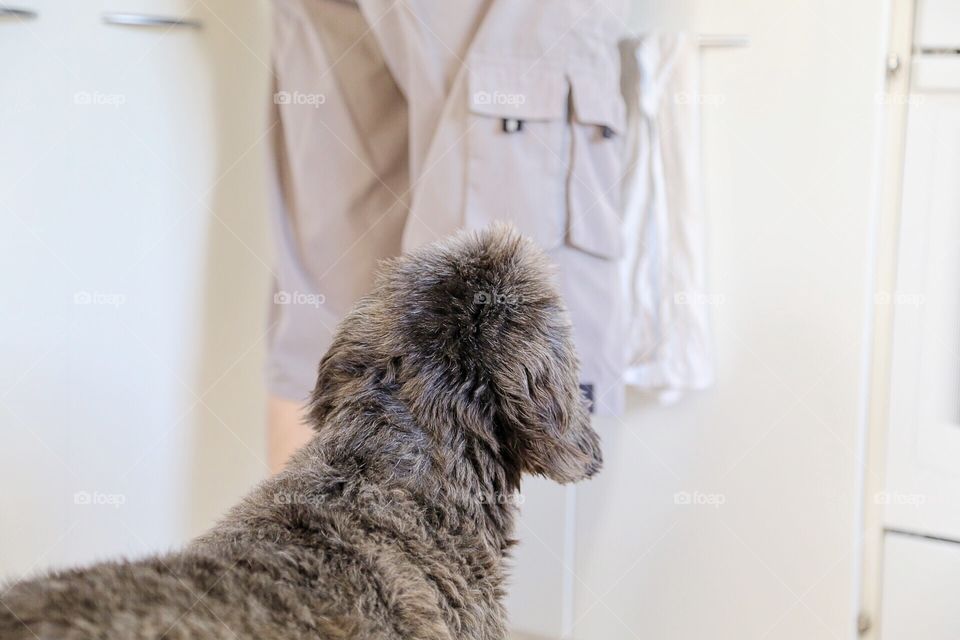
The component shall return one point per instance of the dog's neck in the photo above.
(439, 459)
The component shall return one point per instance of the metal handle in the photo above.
(938, 51)
(144, 20)
(15, 12)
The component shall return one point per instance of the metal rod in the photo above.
(723, 40)
(144, 20)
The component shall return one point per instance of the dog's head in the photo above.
(470, 333)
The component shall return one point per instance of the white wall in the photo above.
(789, 157)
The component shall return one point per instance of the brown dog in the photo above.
(445, 385)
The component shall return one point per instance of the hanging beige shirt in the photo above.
(401, 122)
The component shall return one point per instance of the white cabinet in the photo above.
(921, 580)
(923, 475)
(133, 275)
(915, 512)
(938, 24)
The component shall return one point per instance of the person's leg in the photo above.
(286, 429)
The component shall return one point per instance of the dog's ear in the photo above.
(543, 411)
(540, 406)
(480, 330)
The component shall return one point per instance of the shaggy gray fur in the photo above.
(445, 385)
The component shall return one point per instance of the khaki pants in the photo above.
(401, 122)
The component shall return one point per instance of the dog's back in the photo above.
(292, 561)
(445, 385)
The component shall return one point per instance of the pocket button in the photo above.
(512, 125)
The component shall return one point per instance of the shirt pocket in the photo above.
(597, 124)
(518, 147)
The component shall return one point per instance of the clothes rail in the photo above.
(723, 40)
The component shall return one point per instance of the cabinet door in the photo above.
(133, 275)
(923, 480)
(34, 297)
(920, 585)
(936, 67)
(132, 228)
(937, 24)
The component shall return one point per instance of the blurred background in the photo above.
(812, 492)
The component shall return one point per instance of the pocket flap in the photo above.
(597, 100)
(596, 166)
(514, 89)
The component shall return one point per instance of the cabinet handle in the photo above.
(143, 20)
(15, 12)
(938, 51)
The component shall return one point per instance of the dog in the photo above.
(442, 388)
